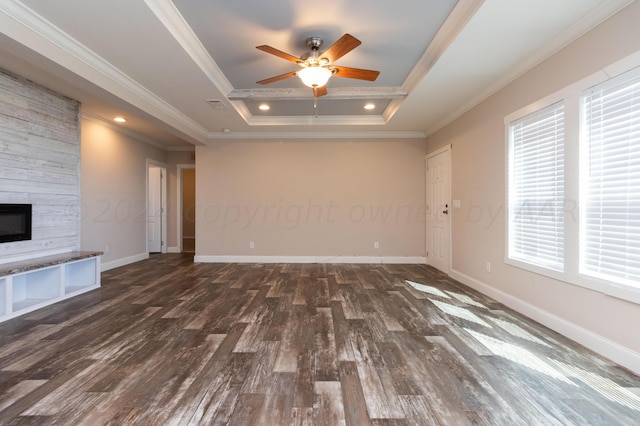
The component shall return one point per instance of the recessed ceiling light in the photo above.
(264, 107)
(120, 120)
(369, 106)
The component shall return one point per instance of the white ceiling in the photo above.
(159, 62)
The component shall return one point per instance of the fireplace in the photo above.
(15, 222)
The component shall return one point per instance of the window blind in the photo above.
(536, 188)
(610, 181)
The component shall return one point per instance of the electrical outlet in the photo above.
(107, 249)
(487, 267)
(252, 244)
(376, 245)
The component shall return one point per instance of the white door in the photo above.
(438, 209)
(154, 211)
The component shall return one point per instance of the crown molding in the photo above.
(24, 25)
(451, 27)
(597, 16)
(252, 120)
(305, 94)
(326, 120)
(242, 109)
(318, 135)
(307, 120)
(174, 22)
(455, 22)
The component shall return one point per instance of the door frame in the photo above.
(180, 168)
(163, 193)
(446, 148)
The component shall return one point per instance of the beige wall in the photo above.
(478, 165)
(113, 192)
(311, 198)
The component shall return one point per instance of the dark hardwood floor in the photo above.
(166, 341)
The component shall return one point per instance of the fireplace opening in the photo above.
(15, 222)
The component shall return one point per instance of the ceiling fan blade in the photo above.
(278, 53)
(358, 73)
(344, 45)
(277, 78)
(319, 91)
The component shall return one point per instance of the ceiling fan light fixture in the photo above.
(314, 76)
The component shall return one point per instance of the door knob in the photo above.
(445, 211)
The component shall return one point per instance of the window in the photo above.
(573, 186)
(536, 188)
(610, 181)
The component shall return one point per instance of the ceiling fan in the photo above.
(317, 68)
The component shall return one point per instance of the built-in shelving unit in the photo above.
(3, 297)
(32, 284)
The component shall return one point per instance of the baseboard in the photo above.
(173, 249)
(310, 259)
(597, 343)
(105, 266)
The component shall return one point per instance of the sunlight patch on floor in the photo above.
(518, 355)
(459, 312)
(516, 331)
(428, 289)
(467, 300)
(605, 387)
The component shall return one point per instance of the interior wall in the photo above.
(114, 176)
(327, 198)
(40, 165)
(188, 210)
(478, 227)
(174, 159)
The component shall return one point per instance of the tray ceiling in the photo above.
(185, 71)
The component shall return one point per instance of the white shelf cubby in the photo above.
(35, 283)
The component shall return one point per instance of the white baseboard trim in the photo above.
(597, 343)
(123, 261)
(309, 259)
(173, 249)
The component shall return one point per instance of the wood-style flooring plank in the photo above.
(167, 341)
(328, 408)
(354, 400)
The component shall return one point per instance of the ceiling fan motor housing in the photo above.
(311, 58)
(314, 43)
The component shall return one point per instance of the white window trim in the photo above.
(570, 95)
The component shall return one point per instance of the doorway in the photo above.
(438, 209)
(187, 208)
(156, 207)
